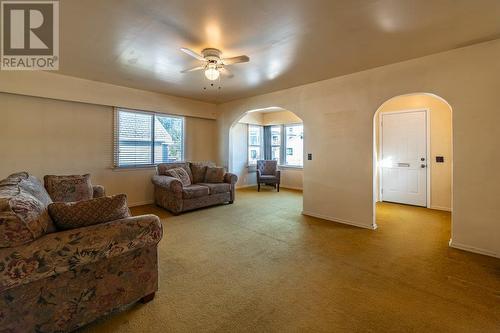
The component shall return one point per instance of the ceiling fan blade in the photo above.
(235, 60)
(226, 72)
(192, 69)
(192, 54)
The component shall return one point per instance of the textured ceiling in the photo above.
(136, 43)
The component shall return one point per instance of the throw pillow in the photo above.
(68, 188)
(199, 169)
(214, 175)
(180, 174)
(70, 215)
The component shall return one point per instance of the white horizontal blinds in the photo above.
(146, 138)
(135, 138)
(169, 139)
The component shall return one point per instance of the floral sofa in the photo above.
(171, 194)
(58, 281)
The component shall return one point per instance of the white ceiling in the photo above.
(136, 43)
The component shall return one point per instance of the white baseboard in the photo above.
(245, 186)
(291, 187)
(334, 219)
(473, 249)
(447, 209)
(141, 203)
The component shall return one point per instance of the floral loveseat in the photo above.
(171, 194)
(57, 281)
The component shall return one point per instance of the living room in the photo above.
(235, 166)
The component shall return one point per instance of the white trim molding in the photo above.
(296, 188)
(446, 209)
(337, 220)
(473, 249)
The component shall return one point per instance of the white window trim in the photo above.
(116, 134)
(284, 165)
(261, 146)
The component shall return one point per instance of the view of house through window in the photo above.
(146, 138)
(254, 144)
(294, 143)
(276, 143)
(285, 144)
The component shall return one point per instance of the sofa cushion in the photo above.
(23, 218)
(69, 188)
(164, 167)
(214, 175)
(216, 188)
(199, 169)
(71, 215)
(268, 177)
(180, 174)
(194, 191)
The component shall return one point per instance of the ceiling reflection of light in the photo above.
(213, 35)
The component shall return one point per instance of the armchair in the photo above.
(268, 173)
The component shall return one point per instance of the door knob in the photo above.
(423, 166)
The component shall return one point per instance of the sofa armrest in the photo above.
(230, 178)
(169, 183)
(62, 251)
(98, 191)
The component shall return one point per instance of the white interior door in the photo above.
(404, 157)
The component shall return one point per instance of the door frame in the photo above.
(427, 148)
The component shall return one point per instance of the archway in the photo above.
(438, 162)
(286, 145)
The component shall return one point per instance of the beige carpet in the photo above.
(260, 266)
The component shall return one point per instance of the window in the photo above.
(294, 145)
(254, 144)
(276, 143)
(147, 138)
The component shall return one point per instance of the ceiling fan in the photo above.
(214, 64)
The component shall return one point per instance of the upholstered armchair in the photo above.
(268, 173)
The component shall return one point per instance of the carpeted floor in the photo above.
(260, 266)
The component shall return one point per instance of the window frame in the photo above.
(284, 164)
(281, 127)
(116, 134)
(260, 145)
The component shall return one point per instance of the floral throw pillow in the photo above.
(68, 188)
(70, 215)
(180, 174)
(214, 175)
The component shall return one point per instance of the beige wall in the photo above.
(440, 116)
(338, 129)
(279, 118)
(46, 136)
(290, 177)
(67, 88)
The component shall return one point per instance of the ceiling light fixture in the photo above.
(214, 65)
(212, 73)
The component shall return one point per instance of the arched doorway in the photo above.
(425, 179)
(284, 143)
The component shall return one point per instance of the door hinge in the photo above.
(382, 191)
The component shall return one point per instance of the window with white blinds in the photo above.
(147, 138)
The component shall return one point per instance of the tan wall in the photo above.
(67, 88)
(338, 131)
(279, 118)
(440, 142)
(46, 136)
